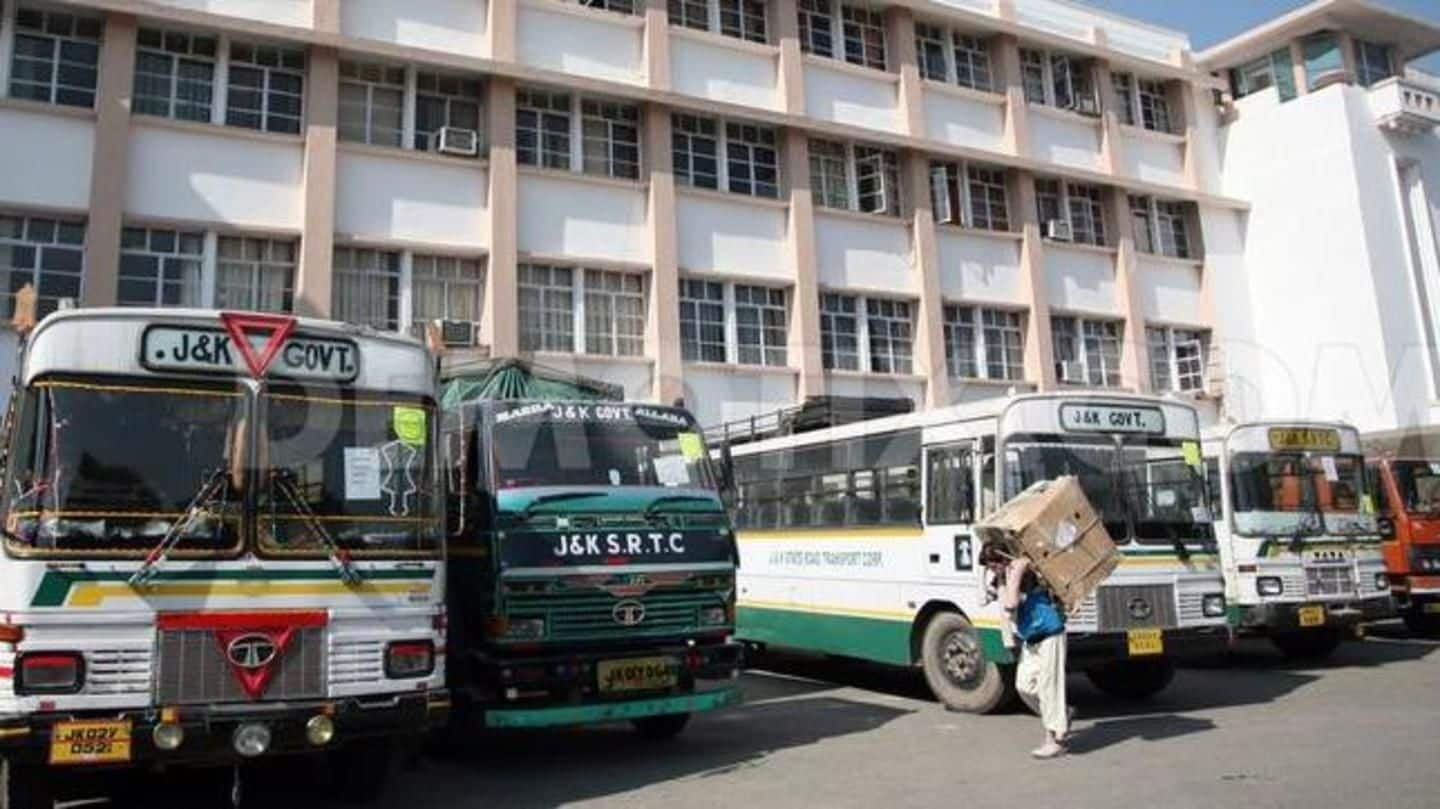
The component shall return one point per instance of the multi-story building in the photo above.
(739, 202)
(1333, 142)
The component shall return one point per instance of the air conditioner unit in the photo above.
(1059, 230)
(456, 333)
(1070, 371)
(453, 140)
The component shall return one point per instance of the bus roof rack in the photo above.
(815, 413)
(510, 379)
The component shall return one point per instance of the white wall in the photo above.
(723, 394)
(298, 13)
(1169, 291)
(735, 75)
(732, 237)
(454, 26)
(1153, 160)
(868, 253)
(405, 198)
(1080, 280)
(964, 121)
(214, 177)
(975, 267)
(876, 386)
(1066, 140)
(1076, 20)
(563, 216)
(844, 96)
(45, 159)
(590, 45)
(635, 375)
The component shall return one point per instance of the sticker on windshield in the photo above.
(1367, 504)
(1200, 513)
(399, 462)
(1435, 467)
(362, 473)
(691, 446)
(1332, 474)
(672, 470)
(1191, 451)
(1165, 498)
(409, 424)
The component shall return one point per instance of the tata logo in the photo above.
(251, 652)
(1139, 608)
(628, 613)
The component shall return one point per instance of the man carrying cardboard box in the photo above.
(1040, 676)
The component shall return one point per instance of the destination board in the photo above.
(1311, 439)
(1098, 418)
(197, 349)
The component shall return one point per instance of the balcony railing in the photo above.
(1404, 105)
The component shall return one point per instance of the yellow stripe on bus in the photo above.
(93, 595)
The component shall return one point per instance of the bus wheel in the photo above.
(1420, 623)
(1308, 644)
(360, 770)
(1132, 679)
(23, 787)
(661, 728)
(956, 668)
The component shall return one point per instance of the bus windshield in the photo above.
(1299, 494)
(358, 470)
(543, 444)
(1419, 484)
(112, 467)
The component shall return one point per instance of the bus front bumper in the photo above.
(1259, 618)
(1086, 648)
(209, 732)
(697, 702)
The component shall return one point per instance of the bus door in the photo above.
(951, 473)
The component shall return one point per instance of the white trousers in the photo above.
(1040, 679)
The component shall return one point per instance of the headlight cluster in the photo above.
(1213, 605)
(714, 616)
(1269, 586)
(1425, 560)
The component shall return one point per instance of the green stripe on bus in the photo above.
(55, 586)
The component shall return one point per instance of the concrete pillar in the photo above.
(804, 345)
(1197, 165)
(499, 323)
(317, 245)
(500, 31)
(657, 45)
(791, 72)
(108, 161)
(1134, 352)
(1112, 143)
(930, 313)
(663, 320)
(1039, 352)
(904, 60)
(326, 15)
(1297, 60)
(1016, 136)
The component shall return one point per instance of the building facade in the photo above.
(743, 203)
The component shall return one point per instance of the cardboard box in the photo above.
(1054, 525)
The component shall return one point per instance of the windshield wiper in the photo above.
(217, 481)
(284, 480)
(653, 510)
(555, 497)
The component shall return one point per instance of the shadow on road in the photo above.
(1099, 735)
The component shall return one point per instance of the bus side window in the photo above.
(989, 499)
(951, 498)
(1212, 485)
(1375, 484)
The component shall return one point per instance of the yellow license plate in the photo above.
(105, 742)
(1146, 642)
(1312, 616)
(1432, 606)
(637, 674)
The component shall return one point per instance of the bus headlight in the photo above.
(251, 739)
(1382, 581)
(168, 736)
(1213, 605)
(525, 629)
(319, 730)
(1269, 586)
(714, 616)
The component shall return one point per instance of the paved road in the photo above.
(1361, 730)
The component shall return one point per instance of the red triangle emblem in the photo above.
(276, 328)
(254, 656)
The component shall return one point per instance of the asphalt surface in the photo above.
(1360, 730)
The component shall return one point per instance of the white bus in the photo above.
(216, 548)
(1298, 536)
(856, 540)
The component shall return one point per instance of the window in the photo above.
(696, 148)
(829, 176)
(175, 74)
(984, 343)
(444, 288)
(972, 62)
(46, 253)
(980, 201)
(1161, 227)
(1274, 70)
(952, 56)
(56, 57)
(1032, 76)
(839, 332)
(1372, 63)
(817, 33)
(1123, 85)
(1142, 219)
(1177, 358)
(870, 480)
(367, 287)
(610, 138)
(951, 487)
(864, 30)
(255, 274)
(760, 325)
(1323, 60)
(547, 308)
(1077, 205)
(875, 171)
(1143, 102)
(617, 6)
(930, 51)
(266, 88)
(1087, 352)
(372, 103)
(160, 267)
(614, 313)
(890, 326)
(444, 100)
(702, 320)
(741, 19)
(877, 180)
(752, 160)
(542, 128)
(1058, 80)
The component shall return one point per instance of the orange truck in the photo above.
(1408, 511)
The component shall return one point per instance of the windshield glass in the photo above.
(544, 444)
(1419, 483)
(360, 470)
(1299, 494)
(111, 467)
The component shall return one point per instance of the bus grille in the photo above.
(117, 671)
(1329, 580)
(1134, 606)
(193, 669)
(591, 616)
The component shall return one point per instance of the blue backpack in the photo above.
(1038, 618)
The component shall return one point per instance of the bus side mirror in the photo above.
(727, 476)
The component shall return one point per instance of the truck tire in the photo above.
(360, 770)
(1132, 679)
(1420, 623)
(661, 728)
(1307, 644)
(956, 669)
(23, 787)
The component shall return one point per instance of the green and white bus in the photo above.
(1299, 541)
(857, 541)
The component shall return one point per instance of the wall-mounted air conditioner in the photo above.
(1072, 371)
(454, 140)
(1059, 230)
(456, 333)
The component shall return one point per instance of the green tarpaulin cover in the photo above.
(517, 379)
